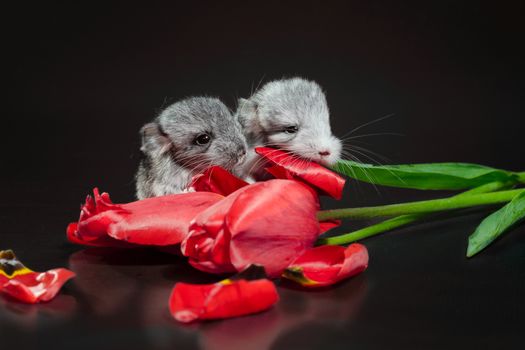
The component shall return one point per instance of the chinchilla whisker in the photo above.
(368, 123)
(260, 161)
(258, 85)
(367, 174)
(358, 161)
(379, 164)
(196, 167)
(378, 155)
(349, 168)
(372, 134)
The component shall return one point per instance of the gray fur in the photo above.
(171, 156)
(283, 103)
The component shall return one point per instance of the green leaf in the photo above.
(496, 224)
(431, 176)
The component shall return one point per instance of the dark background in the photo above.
(81, 79)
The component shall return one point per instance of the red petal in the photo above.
(207, 244)
(28, 286)
(102, 241)
(327, 265)
(190, 302)
(288, 166)
(217, 180)
(160, 221)
(37, 286)
(328, 225)
(267, 223)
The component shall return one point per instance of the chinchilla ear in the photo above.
(246, 112)
(154, 140)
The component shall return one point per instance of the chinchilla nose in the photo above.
(241, 155)
(324, 153)
(241, 152)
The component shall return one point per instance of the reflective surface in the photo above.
(83, 80)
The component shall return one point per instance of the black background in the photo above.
(81, 79)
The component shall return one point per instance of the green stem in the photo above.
(428, 206)
(402, 220)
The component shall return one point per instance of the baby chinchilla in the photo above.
(289, 114)
(186, 138)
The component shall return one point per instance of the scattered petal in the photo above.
(229, 298)
(326, 265)
(28, 286)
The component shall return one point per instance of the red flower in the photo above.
(229, 298)
(267, 223)
(217, 180)
(28, 286)
(160, 221)
(327, 265)
(288, 166)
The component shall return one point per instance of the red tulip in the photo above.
(217, 180)
(327, 265)
(268, 223)
(28, 286)
(160, 221)
(288, 166)
(229, 298)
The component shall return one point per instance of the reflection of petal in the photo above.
(330, 308)
(57, 311)
(105, 287)
(156, 286)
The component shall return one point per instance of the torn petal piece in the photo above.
(229, 298)
(28, 286)
(326, 265)
(288, 166)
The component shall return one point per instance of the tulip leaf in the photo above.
(430, 176)
(496, 224)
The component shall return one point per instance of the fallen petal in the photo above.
(229, 298)
(28, 286)
(326, 265)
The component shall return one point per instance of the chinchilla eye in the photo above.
(202, 139)
(291, 129)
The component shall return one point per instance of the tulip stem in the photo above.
(402, 220)
(428, 206)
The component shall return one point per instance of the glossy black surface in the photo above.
(82, 79)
